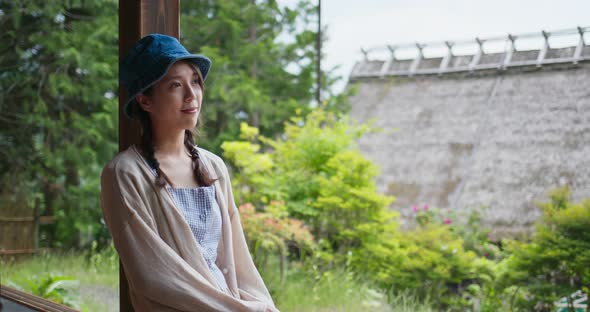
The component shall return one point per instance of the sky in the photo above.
(352, 24)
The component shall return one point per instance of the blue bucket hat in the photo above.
(149, 60)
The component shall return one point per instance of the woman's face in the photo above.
(174, 102)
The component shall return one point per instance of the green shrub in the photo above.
(318, 175)
(88, 281)
(60, 289)
(556, 262)
(271, 232)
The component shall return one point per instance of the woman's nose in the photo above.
(191, 93)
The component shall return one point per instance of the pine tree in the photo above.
(58, 104)
(263, 63)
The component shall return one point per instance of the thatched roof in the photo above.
(500, 138)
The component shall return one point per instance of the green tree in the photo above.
(557, 260)
(318, 174)
(58, 92)
(263, 64)
(58, 104)
(321, 177)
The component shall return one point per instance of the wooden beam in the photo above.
(18, 300)
(7, 252)
(138, 18)
(42, 219)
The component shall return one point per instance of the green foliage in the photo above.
(271, 232)
(91, 280)
(430, 260)
(58, 109)
(106, 259)
(59, 289)
(467, 225)
(58, 93)
(307, 193)
(318, 176)
(263, 64)
(305, 289)
(556, 262)
(251, 182)
(349, 208)
(98, 267)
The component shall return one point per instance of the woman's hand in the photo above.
(271, 309)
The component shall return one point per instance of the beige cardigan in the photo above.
(165, 270)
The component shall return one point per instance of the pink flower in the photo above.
(415, 208)
(448, 221)
(425, 207)
(486, 254)
(296, 222)
(247, 208)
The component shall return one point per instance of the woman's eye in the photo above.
(196, 81)
(175, 84)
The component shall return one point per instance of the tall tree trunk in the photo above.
(254, 114)
(319, 55)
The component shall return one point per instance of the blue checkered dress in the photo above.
(204, 218)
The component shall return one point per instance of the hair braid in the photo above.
(147, 147)
(201, 174)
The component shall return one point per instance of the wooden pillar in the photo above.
(138, 18)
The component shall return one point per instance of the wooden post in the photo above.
(138, 18)
(36, 214)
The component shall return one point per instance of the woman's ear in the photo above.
(144, 102)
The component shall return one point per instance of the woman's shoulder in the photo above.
(124, 161)
(214, 161)
(209, 155)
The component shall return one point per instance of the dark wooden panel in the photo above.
(129, 33)
(160, 16)
(138, 18)
(16, 235)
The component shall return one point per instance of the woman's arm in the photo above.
(153, 269)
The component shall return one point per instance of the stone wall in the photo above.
(500, 140)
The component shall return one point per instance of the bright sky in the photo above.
(352, 24)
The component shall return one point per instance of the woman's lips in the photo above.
(189, 110)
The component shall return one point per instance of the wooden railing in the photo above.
(12, 245)
(16, 300)
(447, 60)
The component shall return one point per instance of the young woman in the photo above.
(168, 203)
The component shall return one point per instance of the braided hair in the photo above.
(201, 174)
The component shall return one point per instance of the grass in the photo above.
(334, 291)
(300, 290)
(97, 277)
(408, 302)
